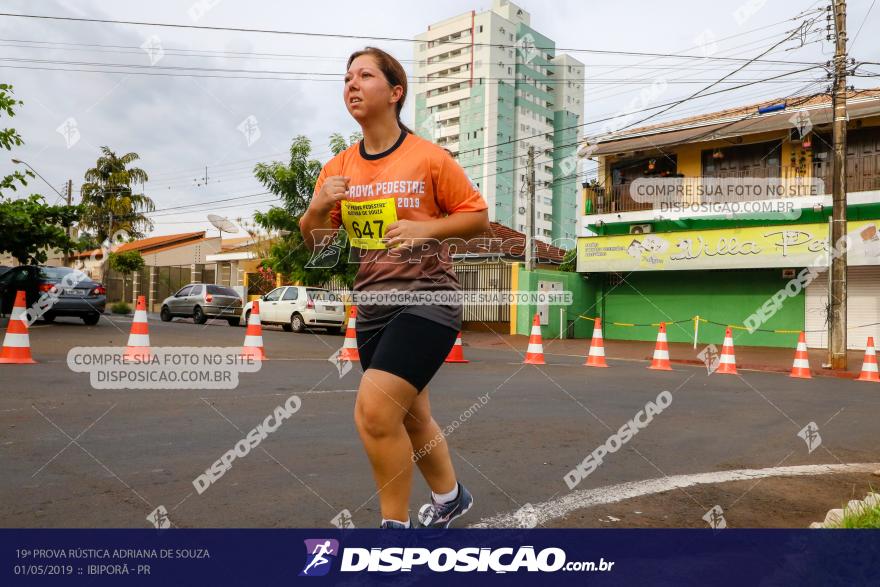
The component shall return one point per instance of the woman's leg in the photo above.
(383, 401)
(429, 446)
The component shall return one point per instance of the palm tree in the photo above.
(110, 204)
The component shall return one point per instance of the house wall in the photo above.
(724, 297)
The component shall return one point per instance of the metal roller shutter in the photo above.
(863, 308)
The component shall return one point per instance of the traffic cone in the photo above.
(349, 350)
(253, 336)
(456, 354)
(869, 367)
(727, 363)
(139, 339)
(801, 366)
(16, 344)
(661, 351)
(535, 352)
(596, 356)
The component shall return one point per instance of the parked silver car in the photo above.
(201, 301)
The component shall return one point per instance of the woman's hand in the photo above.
(408, 233)
(334, 189)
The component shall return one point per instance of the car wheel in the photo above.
(287, 327)
(232, 321)
(199, 316)
(48, 317)
(91, 319)
(342, 329)
(165, 314)
(297, 324)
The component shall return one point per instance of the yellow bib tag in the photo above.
(366, 222)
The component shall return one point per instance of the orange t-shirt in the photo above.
(419, 181)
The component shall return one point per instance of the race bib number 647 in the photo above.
(366, 222)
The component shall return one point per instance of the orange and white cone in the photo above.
(869, 367)
(801, 366)
(16, 344)
(253, 336)
(138, 348)
(596, 356)
(349, 350)
(535, 352)
(660, 360)
(727, 363)
(456, 354)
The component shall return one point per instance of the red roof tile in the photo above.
(507, 242)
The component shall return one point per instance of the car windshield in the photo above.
(219, 290)
(54, 273)
(322, 295)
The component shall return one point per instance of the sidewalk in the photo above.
(771, 359)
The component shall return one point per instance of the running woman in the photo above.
(399, 198)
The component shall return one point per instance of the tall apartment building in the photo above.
(487, 86)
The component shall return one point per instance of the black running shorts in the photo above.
(411, 347)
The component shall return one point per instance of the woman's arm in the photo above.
(317, 218)
(463, 225)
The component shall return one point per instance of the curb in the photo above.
(834, 518)
(770, 368)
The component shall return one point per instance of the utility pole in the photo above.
(69, 197)
(530, 218)
(837, 318)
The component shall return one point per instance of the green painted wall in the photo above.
(421, 115)
(565, 192)
(722, 296)
(584, 296)
(502, 155)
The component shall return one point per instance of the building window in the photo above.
(480, 28)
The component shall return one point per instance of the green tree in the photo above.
(569, 261)
(29, 227)
(109, 201)
(294, 183)
(126, 263)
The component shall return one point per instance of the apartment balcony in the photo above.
(863, 175)
(448, 131)
(451, 96)
(448, 114)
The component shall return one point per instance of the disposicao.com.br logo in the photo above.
(321, 552)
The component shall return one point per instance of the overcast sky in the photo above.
(180, 124)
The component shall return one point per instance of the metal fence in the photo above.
(171, 278)
(490, 276)
(259, 284)
(121, 287)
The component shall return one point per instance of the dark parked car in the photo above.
(201, 301)
(85, 299)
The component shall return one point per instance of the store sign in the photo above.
(800, 245)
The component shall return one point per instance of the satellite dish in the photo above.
(222, 224)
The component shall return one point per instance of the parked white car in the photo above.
(297, 307)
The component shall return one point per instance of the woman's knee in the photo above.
(376, 421)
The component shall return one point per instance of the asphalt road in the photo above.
(74, 456)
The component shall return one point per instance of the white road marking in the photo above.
(584, 498)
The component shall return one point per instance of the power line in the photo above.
(737, 70)
(648, 109)
(359, 37)
(864, 20)
(333, 77)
